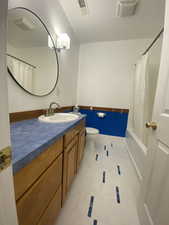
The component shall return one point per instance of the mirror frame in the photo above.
(55, 51)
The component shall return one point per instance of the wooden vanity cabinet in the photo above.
(81, 146)
(69, 166)
(38, 186)
(51, 213)
(41, 187)
(25, 177)
(35, 201)
(74, 143)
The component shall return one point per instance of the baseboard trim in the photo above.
(150, 221)
(139, 176)
(137, 152)
(139, 143)
(144, 216)
(108, 109)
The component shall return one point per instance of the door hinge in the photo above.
(5, 158)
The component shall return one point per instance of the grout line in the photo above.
(90, 206)
(117, 195)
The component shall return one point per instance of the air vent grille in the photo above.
(126, 8)
(82, 3)
(83, 7)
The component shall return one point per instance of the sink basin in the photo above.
(59, 118)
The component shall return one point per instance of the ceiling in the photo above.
(101, 23)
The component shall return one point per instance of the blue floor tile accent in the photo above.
(97, 157)
(117, 195)
(104, 177)
(119, 170)
(91, 206)
(95, 222)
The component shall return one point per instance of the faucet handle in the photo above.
(52, 111)
(47, 113)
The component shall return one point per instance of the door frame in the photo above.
(162, 82)
(8, 215)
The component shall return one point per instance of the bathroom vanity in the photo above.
(43, 176)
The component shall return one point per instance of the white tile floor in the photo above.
(89, 182)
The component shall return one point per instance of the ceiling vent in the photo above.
(126, 8)
(83, 6)
(82, 3)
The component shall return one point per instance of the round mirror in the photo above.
(31, 54)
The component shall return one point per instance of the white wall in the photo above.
(65, 93)
(7, 200)
(106, 72)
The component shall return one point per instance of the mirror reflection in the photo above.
(31, 56)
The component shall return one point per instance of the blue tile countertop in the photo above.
(31, 137)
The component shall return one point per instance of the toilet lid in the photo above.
(91, 130)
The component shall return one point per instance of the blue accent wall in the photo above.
(114, 123)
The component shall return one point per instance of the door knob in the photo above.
(152, 125)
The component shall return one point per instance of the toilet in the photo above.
(92, 135)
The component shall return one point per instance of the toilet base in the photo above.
(93, 141)
(92, 137)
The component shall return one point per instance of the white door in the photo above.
(154, 195)
(7, 200)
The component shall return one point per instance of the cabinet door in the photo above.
(34, 202)
(24, 179)
(81, 147)
(51, 213)
(70, 165)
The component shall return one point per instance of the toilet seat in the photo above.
(91, 130)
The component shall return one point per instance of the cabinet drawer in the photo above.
(29, 174)
(69, 136)
(73, 132)
(80, 125)
(51, 213)
(69, 166)
(32, 205)
(73, 142)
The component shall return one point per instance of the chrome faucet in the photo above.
(51, 111)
